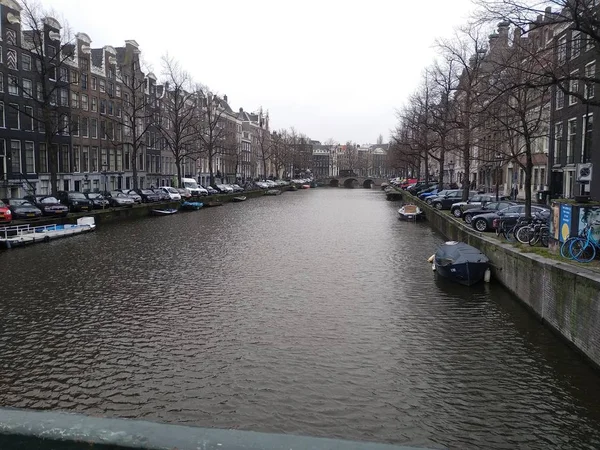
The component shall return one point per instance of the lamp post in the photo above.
(498, 161)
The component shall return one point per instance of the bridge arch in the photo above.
(368, 183)
(349, 183)
(334, 183)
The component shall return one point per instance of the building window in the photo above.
(13, 85)
(571, 134)
(102, 86)
(104, 160)
(64, 74)
(13, 119)
(103, 129)
(102, 106)
(85, 64)
(590, 75)
(76, 158)
(573, 87)
(575, 44)
(118, 90)
(94, 159)
(40, 92)
(85, 158)
(43, 158)
(29, 158)
(74, 76)
(589, 43)
(15, 156)
(1, 82)
(94, 128)
(94, 83)
(75, 125)
(28, 119)
(84, 81)
(51, 51)
(561, 51)
(84, 102)
(588, 128)
(27, 88)
(26, 63)
(84, 126)
(2, 123)
(11, 59)
(94, 104)
(119, 160)
(74, 100)
(64, 97)
(110, 107)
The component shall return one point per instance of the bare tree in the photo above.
(178, 118)
(281, 152)
(212, 133)
(139, 110)
(332, 146)
(265, 146)
(50, 49)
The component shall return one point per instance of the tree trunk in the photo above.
(178, 165)
(528, 171)
(210, 168)
(52, 166)
(442, 161)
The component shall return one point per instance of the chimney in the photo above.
(225, 98)
(493, 41)
(548, 13)
(503, 33)
(241, 110)
(516, 36)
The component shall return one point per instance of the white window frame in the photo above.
(32, 154)
(12, 159)
(573, 87)
(584, 126)
(29, 117)
(561, 50)
(24, 58)
(13, 87)
(12, 105)
(589, 72)
(571, 136)
(27, 92)
(575, 44)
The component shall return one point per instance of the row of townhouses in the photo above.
(564, 148)
(104, 109)
(364, 160)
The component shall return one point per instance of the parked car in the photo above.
(171, 192)
(98, 200)
(118, 199)
(184, 193)
(477, 200)
(210, 190)
(483, 209)
(162, 195)
(224, 189)
(76, 201)
(23, 209)
(147, 195)
(428, 198)
(5, 213)
(488, 221)
(131, 193)
(50, 206)
(238, 188)
(446, 201)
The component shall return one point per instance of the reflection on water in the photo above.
(314, 312)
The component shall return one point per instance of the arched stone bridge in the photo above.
(352, 182)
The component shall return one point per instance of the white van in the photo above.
(191, 185)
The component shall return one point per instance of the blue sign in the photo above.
(565, 223)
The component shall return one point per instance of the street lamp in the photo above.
(498, 162)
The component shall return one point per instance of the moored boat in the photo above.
(305, 186)
(19, 235)
(163, 212)
(409, 212)
(460, 262)
(211, 204)
(241, 198)
(273, 192)
(191, 206)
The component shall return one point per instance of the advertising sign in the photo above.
(565, 222)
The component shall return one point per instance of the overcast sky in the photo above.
(330, 68)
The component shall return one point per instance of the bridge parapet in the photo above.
(350, 182)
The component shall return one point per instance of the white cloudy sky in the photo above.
(330, 68)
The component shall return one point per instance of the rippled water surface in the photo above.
(313, 312)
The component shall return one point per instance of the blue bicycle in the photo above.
(583, 249)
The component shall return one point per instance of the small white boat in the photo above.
(19, 235)
(409, 212)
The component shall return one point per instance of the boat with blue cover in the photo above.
(460, 262)
(191, 206)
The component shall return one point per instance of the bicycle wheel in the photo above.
(565, 248)
(545, 236)
(583, 251)
(523, 234)
(534, 237)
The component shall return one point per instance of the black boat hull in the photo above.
(467, 273)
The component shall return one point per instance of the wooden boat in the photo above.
(163, 212)
(211, 204)
(241, 198)
(191, 206)
(273, 192)
(292, 187)
(20, 235)
(460, 262)
(305, 186)
(409, 212)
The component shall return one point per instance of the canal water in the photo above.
(311, 313)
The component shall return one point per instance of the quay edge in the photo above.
(566, 298)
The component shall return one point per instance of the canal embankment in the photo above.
(564, 297)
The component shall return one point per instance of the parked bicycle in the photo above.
(565, 248)
(537, 230)
(583, 249)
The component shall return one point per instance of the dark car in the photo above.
(184, 193)
(148, 195)
(446, 201)
(98, 200)
(23, 209)
(211, 190)
(484, 222)
(429, 197)
(477, 201)
(487, 208)
(50, 206)
(131, 193)
(76, 201)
